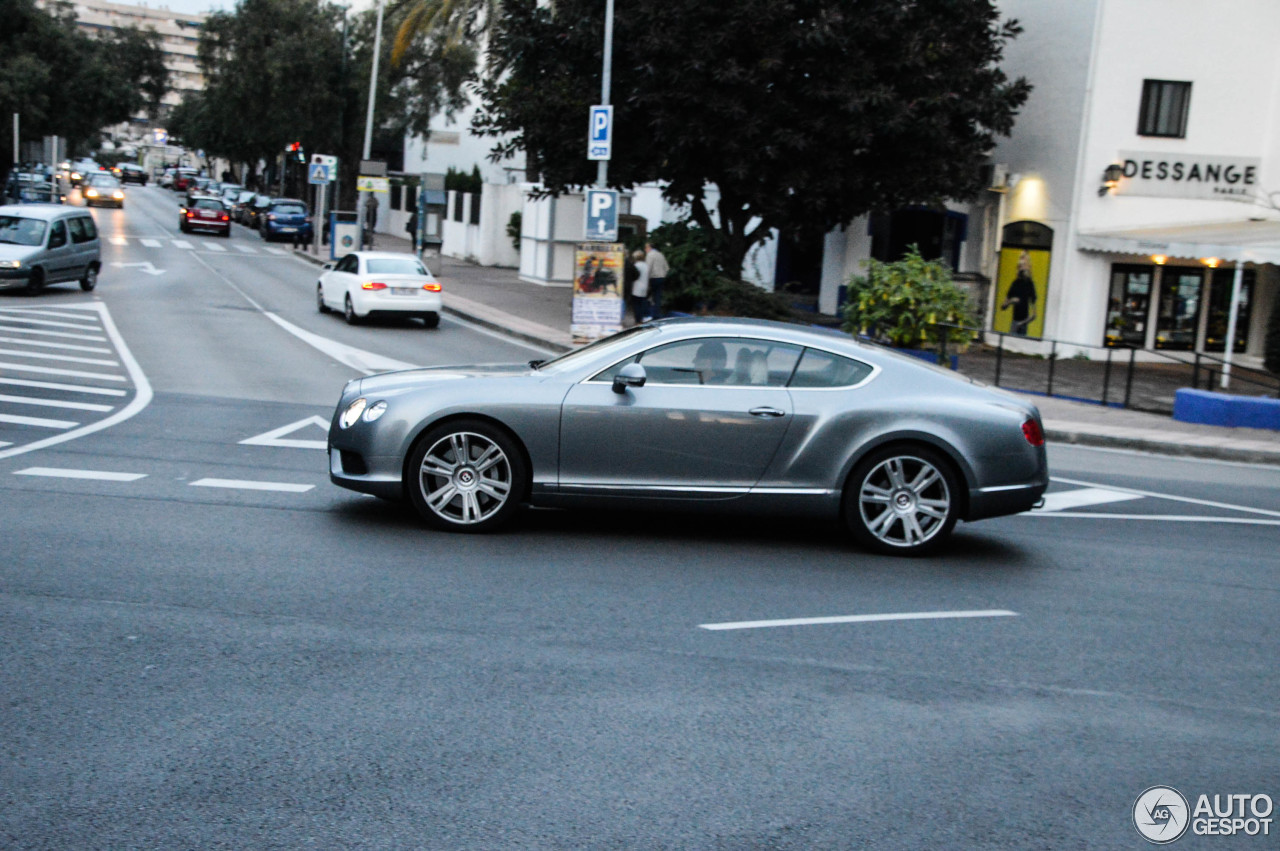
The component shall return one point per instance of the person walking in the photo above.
(658, 269)
(640, 287)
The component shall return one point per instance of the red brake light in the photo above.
(225, 217)
(190, 213)
(431, 288)
(373, 285)
(1031, 431)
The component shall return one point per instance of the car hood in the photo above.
(8, 251)
(407, 379)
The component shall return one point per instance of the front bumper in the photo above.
(14, 278)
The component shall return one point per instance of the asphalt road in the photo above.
(189, 660)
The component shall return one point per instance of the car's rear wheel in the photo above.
(431, 320)
(90, 279)
(349, 312)
(320, 305)
(466, 476)
(902, 500)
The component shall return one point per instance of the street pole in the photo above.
(1232, 315)
(15, 138)
(361, 197)
(606, 80)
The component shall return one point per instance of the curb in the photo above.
(1163, 447)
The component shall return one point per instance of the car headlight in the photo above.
(118, 195)
(353, 412)
(91, 193)
(10, 264)
(374, 411)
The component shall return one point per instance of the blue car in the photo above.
(285, 218)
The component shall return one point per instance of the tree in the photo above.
(905, 302)
(801, 114)
(459, 22)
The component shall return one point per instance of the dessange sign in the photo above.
(1188, 175)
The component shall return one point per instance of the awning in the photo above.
(1240, 241)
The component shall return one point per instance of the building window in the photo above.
(1164, 108)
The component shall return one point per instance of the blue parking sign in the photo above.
(600, 133)
(602, 215)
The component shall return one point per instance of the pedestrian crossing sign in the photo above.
(318, 174)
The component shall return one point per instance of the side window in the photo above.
(76, 226)
(90, 228)
(725, 361)
(58, 235)
(348, 264)
(823, 369)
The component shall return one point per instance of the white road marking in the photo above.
(270, 250)
(1172, 518)
(67, 358)
(19, 313)
(53, 403)
(118, 240)
(181, 243)
(247, 249)
(11, 329)
(96, 475)
(242, 484)
(900, 616)
(14, 419)
(149, 268)
(68, 346)
(276, 437)
(358, 359)
(72, 373)
(1206, 502)
(5, 443)
(75, 388)
(141, 397)
(52, 324)
(1064, 500)
(213, 246)
(150, 243)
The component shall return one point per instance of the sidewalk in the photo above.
(496, 298)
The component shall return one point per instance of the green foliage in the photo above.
(698, 282)
(461, 181)
(514, 226)
(802, 113)
(901, 302)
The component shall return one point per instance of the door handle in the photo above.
(766, 412)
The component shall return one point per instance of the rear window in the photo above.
(207, 204)
(289, 209)
(395, 267)
(823, 369)
(16, 230)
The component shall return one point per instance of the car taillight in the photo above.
(225, 217)
(431, 288)
(373, 285)
(1031, 431)
(191, 214)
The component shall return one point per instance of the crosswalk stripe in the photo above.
(96, 475)
(74, 388)
(213, 246)
(181, 243)
(52, 323)
(243, 484)
(68, 346)
(13, 329)
(70, 373)
(69, 358)
(53, 403)
(247, 249)
(14, 419)
(270, 250)
(64, 313)
(150, 243)
(1081, 497)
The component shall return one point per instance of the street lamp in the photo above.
(368, 120)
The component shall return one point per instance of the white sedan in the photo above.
(379, 283)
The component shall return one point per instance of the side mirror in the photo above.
(631, 375)
(328, 267)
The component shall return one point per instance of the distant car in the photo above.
(285, 218)
(165, 180)
(240, 207)
(205, 214)
(368, 283)
(256, 209)
(229, 193)
(131, 173)
(43, 244)
(182, 178)
(750, 417)
(82, 170)
(103, 190)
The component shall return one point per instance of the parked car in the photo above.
(205, 213)
(746, 416)
(366, 283)
(257, 209)
(43, 244)
(182, 178)
(103, 190)
(229, 193)
(165, 181)
(287, 218)
(131, 173)
(239, 209)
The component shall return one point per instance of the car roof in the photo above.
(383, 255)
(47, 212)
(821, 337)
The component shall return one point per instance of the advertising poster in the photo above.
(597, 290)
(1022, 282)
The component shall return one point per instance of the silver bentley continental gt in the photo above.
(698, 414)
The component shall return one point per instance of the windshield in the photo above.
(103, 180)
(598, 349)
(289, 210)
(395, 267)
(207, 204)
(19, 231)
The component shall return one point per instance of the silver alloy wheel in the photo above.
(349, 312)
(465, 478)
(904, 501)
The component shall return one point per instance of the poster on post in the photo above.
(598, 298)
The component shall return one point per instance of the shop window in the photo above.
(1164, 108)
(1127, 306)
(1219, 307)
(1179, 314)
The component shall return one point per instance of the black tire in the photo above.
(90, 279)
(226, 234)
(320, 305)
(431, 320)
(35, 283)
(902, 500)
(349, 312)
(182, 226)
(466, 476)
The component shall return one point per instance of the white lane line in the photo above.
(1065, 500)
(11, 329)
(14, 419)
(213, 246)
(71, 347)
(118, 240)
(19, 353)
(243, 484)
(150, 243)
(52, 324)
(274, 250)
(96, 475)
(899, 616)
(4, 443)
(1172, 518)
(1207, 502)
(181, 243)
(357, 359)
(53, 403)
(247, 249)
(71, 373)
(75, 388)
(141, 397)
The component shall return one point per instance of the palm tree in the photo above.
(457, 20)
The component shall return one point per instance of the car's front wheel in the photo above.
(466, 476)
(902, 500)
(90, 279)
